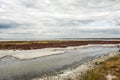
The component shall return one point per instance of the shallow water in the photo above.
(10, 68)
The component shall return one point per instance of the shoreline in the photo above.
(80, 70)
(38, 53)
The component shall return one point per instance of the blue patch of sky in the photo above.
(2, 5)
(100, 24)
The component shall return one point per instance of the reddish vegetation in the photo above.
(24, 45)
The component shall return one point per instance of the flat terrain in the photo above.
(28, 45)
(20, 63)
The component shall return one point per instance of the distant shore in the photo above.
(29, 45)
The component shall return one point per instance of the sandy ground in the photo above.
(29, 54)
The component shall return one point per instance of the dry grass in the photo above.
(110, 66)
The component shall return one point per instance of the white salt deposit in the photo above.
(29, 54)
(110, 77)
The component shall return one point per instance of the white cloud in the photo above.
(59, 18)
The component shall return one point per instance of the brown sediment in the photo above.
(28, 45)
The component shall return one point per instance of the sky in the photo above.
(40, 19)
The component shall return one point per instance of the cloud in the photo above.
(59, 18)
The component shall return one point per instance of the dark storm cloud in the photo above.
(4, 26)
(8, 25)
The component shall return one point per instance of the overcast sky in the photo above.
(59, 19)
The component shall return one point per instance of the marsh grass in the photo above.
(27, 45)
